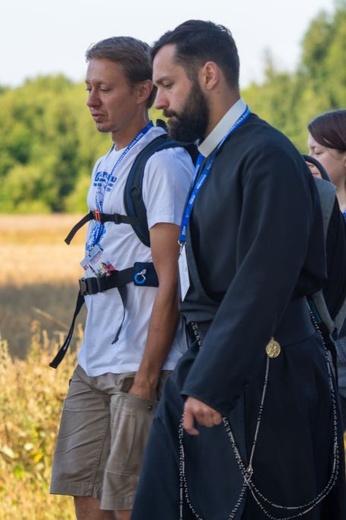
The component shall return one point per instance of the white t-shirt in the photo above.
(166, 181)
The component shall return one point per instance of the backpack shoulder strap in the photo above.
(326, 191)
(315, 162)
(136, 213)
(133, 199)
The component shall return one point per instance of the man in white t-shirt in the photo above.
(133, 336)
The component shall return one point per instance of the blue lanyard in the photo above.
(98, 229)
(100, 193)
(200, 179)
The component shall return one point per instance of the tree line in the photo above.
(49, 143)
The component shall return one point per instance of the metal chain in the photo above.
(247, 472)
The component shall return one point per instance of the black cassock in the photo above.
(255, 251)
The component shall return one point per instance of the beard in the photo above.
(191, 124)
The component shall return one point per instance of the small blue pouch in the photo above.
(145, 274)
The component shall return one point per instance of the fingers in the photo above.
(189, 423)
(196, 411)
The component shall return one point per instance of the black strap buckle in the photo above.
(83, 288)
(94, 285)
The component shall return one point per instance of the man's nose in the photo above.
(93, 99)
(160, 100)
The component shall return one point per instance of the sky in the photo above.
(41, 37)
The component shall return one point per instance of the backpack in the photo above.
(136, 213)
(141, 273)
(328, 305)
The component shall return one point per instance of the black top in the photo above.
(257, 243)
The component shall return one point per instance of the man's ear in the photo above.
(143, 90)
(209, 75)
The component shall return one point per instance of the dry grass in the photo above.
(38, 288)
(33, 249)
(37, 280)
(31, 396)
(25, 264)
(38, 274)
(44, 228)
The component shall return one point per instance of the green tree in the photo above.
(26, 189)
(49, 142)
(323, 57)
(290, 100)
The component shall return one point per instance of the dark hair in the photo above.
(132, 54)
(199, 41)
(329, 129)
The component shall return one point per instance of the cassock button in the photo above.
(150, 407)
(273, 348)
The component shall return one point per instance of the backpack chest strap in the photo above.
(97, 215)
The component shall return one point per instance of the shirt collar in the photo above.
(221, 129)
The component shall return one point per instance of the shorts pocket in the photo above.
(131, 418)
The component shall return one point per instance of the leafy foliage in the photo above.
(290, 100)
(49, 142)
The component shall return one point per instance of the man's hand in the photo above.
(202, 413)
(143, 389)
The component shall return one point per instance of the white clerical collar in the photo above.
(221, 129)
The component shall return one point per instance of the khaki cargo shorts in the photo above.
(101, 440)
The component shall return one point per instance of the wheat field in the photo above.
(38, 275)
(33, 249)
(38, 287)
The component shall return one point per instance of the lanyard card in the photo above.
(95, 265)
(183, 274)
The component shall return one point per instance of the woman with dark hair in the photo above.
(327, 144)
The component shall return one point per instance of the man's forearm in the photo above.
(161, 331)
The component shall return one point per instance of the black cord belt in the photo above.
(198, 330)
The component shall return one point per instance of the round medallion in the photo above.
(273, 348)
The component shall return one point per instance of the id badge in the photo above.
(183, 273)
(94, 264)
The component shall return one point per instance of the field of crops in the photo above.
(37, 292)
